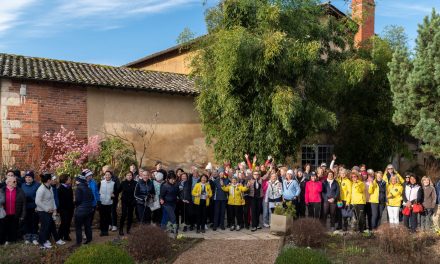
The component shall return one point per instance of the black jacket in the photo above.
(20, 202)
(83, 199)
(169, 193)
(185, 192)
(382, 191)
(65, 198)
(143, 191)
(330, 192)
(302, 184)
(127, 191)
(117, 184)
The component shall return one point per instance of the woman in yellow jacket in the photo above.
(344, 193)
(357, 199)
(236, 201)
(378, 199)
(389, 172)
(202, 193)
(394, 196)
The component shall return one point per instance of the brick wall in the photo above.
(363, 14)
(46, 107)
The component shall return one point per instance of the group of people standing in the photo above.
(226, 197)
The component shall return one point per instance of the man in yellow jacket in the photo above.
(235, 202)
(357, 199)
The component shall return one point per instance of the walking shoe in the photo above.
(27, 242)
(60, 242)
(259, 227)
(6, 243)
(232, 228)
(238, 228)
(266, 225)
(114, 228)
(35, 242)
(47, 245)
(109, 228)
(48, 242)
(254, 229)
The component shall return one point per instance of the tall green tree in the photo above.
(267, 72)
(415, 83)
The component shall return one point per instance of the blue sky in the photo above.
(115, 32)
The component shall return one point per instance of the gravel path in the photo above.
(231, 251)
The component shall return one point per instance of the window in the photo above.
(316, 154)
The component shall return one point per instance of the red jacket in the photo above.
(313, 192)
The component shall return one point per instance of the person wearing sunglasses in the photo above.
(14, 204)
(390, 172)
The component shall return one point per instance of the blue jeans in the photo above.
(266, 213)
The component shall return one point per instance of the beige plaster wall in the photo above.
(177, 64)
(178, 138)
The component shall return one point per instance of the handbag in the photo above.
(2, 213)
(406, 211)
(154, 204)
(347, 212)
(417, 208)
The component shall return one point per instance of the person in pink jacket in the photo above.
(313, 196)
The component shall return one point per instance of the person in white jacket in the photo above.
(274, 192)
(106, 193)
(47, 209)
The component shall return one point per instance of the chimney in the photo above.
(363, 15)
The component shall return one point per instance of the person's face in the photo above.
(128, 176)
(379, 176)
(307, 167)
(273, 177)
(107, 176)
(159, 166)
(179, 173)
(354, 178)
(10, 174)
(330, 176)
(68, 181)
(262, 168)
(241, 175)
(11, 182)
(289, 176)
(412, 180)
(426, 182)
(141, 171)
(145, 176)
(28, 179)
(393, 180)
(256, 176)
(132, 168)
(184, 177)
(407, 179)
(313, 178)
(172, 181)
(362, 168)
(390, 170)
(299, 174)
(203, 179)
(234, 181)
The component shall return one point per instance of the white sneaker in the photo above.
(6, 243)
(61, 242)
(114, 228)
(27, 242)
(266, 225)
(47, 245)
(109, 228)
(35, 242)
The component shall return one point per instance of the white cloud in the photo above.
(11, 12)
(402, 9)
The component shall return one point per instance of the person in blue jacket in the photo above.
(31, 220)
(84, 208)
(95, 191)
(291, 188)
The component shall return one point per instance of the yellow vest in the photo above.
(345, 185)
(394, 195)
(235, 196)
(373, 190)
(357, 193)
(197, 191)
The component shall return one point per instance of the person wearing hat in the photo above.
(66, 206)
(83, 209)
(46, 208)
(30, 188)
(291, 189)
(88, 174)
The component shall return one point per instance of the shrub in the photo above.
(148, 242)
(19, 253)
(394, 239)
(285, 209)
(308, 232)
(56, 255)
(100, 254)
(301, 255)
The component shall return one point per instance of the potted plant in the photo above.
(282, 218)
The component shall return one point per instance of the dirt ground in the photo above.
(231, 251)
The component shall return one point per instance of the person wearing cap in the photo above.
(46, 208)
(107, 189)
(219, 199)
(389, 172)
(66, 206)
(344, 194)
(83, 209)
(14, 203)
(202, 193)
(312, 196)
(235, 192)
(301, 179)
(394, 200)
(377, 191)
(357, 199)
(94, 188)
(291, 189)
(30, 188)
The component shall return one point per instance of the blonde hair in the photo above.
(427, 178)
(394, 177)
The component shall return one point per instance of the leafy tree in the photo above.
(396, 36)
(415, 84)
(268, 72)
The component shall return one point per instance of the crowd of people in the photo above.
(225, 197)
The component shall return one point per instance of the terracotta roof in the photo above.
(42, 69)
